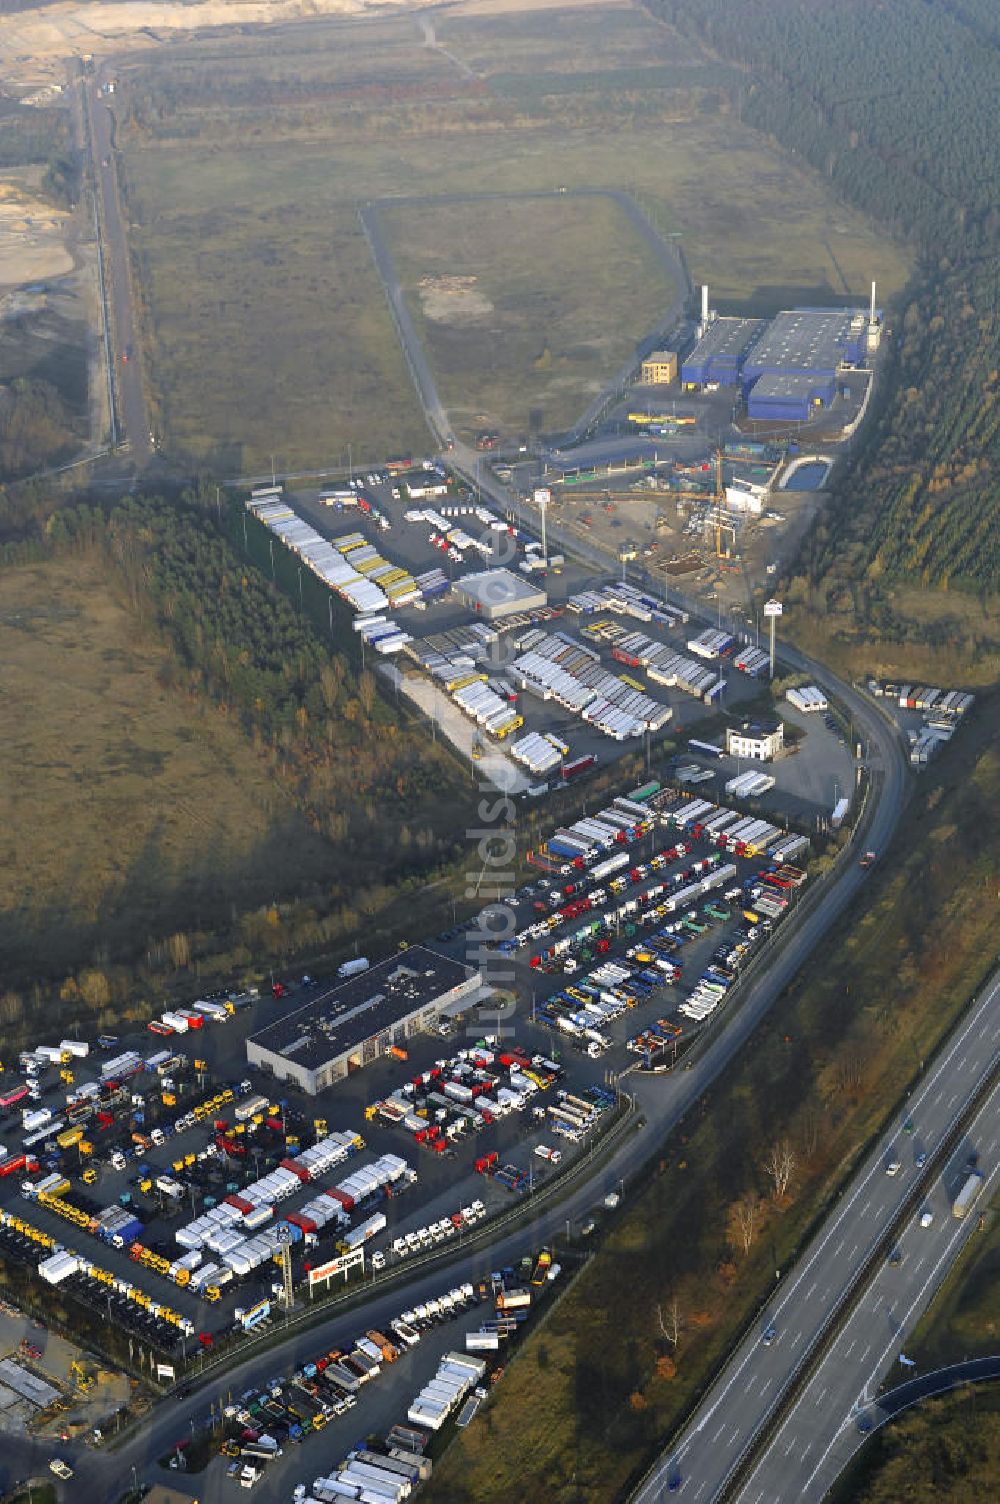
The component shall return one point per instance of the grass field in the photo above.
(500, 292)
(944, 1451)
(127, 809)
(244, 162)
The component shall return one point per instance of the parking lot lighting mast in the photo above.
(772, 610)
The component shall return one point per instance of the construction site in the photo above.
(49, 1387)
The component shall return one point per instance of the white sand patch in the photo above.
(453, 300)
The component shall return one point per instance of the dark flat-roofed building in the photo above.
(359, 1019)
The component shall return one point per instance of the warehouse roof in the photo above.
(778, 385)
(724, 337)
(499, 590)
(804, 339)
(355, 1010)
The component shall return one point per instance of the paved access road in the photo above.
(115, 251)
(832, 1416)
(701, 1464)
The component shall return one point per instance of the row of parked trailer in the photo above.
(663, 663)
(537, 753)
(620, 823)
(646, 903)
(624, 599)
(483, 705)
(59, 1264)
(745, 835)
(237, 1233)
(381, 633)
(335, 1380)
(468, 1091)
(554, 666)
(749, 785)
(712, 644)
(808, 698)
(950, 702)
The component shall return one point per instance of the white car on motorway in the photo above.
(926, 1218)
(60, 1468)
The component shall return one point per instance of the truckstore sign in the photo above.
(323, 1273)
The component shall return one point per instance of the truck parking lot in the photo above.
(147, 1180)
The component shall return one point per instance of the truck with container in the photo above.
(970, 1190)
(353, 968)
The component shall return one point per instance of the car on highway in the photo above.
(926, 1218)
(895, 1257)
(921, 1159)
(867, 859)
(769, 1334)
(893, 1167)
(60, 1468)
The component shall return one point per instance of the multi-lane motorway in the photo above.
(701, 1464)
(833, 1415)
(114, 250)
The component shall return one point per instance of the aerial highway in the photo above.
(837, 1408)
(114, 250)
(701, 1463)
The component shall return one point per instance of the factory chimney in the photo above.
(871, 316)
(704, 304)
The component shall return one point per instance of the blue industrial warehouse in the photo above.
(718, 356)
(786, 369)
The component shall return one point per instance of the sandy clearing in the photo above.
(33, 44)
(32, 247)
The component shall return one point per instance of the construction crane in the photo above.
(717, 497)
(84, 1380)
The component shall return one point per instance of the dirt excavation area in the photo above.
(33, 43)
(32, 235)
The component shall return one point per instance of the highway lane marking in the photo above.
(854, 1343)
(819, 1397)
(789, 1446)
(876, 1168)
(810, 1290)
(866, 1206)
(839, 1246)
(898, 1336)
(765, 1387)
(736, 1432)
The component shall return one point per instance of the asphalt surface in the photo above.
(829, 1423)
(131, 405)
(700, 1465)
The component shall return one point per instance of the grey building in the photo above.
(497, 593)
(356, 1021)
